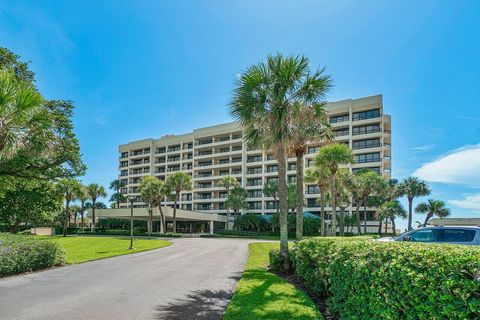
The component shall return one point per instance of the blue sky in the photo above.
(139, 69)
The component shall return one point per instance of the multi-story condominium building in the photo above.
(208, 154)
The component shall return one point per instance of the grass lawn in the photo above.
(82, 249)
(264, 295)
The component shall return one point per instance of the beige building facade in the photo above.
(208, 154)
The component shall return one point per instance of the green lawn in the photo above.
(82, 249)
(263, 295)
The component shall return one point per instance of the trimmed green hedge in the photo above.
(21, 253)
(389, 280)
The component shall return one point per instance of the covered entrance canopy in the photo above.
(194, 221)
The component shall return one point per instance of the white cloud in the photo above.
(461, 166)
(469, 202)
(101, 120)
(424, 148)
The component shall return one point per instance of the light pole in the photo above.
(131, 198)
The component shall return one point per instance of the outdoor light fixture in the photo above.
(131, 198)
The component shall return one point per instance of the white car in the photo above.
(450, 234)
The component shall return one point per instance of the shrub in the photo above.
(276, 261)
(21, 253)
(378, 280)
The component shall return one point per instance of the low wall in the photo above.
(43, 231)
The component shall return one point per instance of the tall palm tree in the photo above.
(263, 102)
(343, 195)
(320, 176)
(393, 209)
(83, 197)
(68, 187)
(369, 182)
(331, 156)
(75, 210)
(22, 115)
(151, 191)
(178, 182)
(307, 123)
(117, 197)
(237, 200)
(95, 191)
(432, 208)
(412, 187)
(228, 182)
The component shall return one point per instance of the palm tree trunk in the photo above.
(334, 207)
(282, 191)
(428, 217)
(75, 219)
(410, 204)
(67, 217)
(393, 226)
(357, 213)
(365, 215)
(342, 221)
(322, 213)
(150, 220)
(299, 229)
(162, 219)
(380, 226)
(93, 215)
(386, 225)
(175, 213)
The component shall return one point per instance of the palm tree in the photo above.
(83, 197)
(228, 182)
(320, 176)
(151, 191)
(393, 209)
(412, 187)
(68, 187)
(308, 122)
(237, 200)
(369, 182)
(331, 156)
(95, 191)
(21, 115)
(270, 189)
(75, 210)
(263, 102)
(343, 195)
(178, 182)
(117, 197)
(432, 208)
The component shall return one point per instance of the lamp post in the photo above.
(131, 198)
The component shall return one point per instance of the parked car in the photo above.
(450, 234)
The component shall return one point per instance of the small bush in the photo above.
(276, 261)
(378, 280)
(21, 253)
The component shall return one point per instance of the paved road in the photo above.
(191, 279)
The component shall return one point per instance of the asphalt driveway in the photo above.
(191, 279)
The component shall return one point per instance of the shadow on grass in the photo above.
(200, 304)
(264, 295)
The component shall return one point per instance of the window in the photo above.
(236, 148)
(292, 179)
(341, 132)
(239, 159)
(313, 190)
(374, 169)
(161, 150)
(313, 149)
(367, 157)
(255, 194)
(424, 235)
(272, 168)
(223, 150)
(371, 128)
(254, 158)
(124, 155)
(254, 170)
(340, 118)
(223, 161)
(369, 143)
(312, 203)
(124, 164)
(369, 114)
(292, 166)
(124, 173)
(255, 205)
(457, 235)
(254, 182)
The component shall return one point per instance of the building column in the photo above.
(211, 226)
